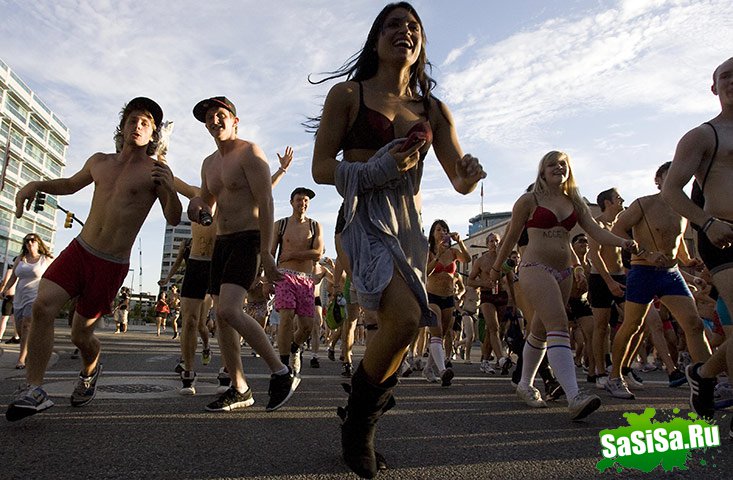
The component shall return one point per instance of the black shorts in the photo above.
(498, 300)
(235, 260)
(7, 305)
(716, 259)
(578, 308)
(599, 295)
(442, 302)
(196, 280)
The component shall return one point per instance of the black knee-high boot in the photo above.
(367, 402)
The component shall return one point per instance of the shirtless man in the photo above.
(235, 178)
(659, 232)
(490, 302)
(300, 240)
(94, 265)
(706, 152)
(606, 282)
(195, 301)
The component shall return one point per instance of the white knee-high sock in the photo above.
(561, 360)
(532, 354)
(437, 352)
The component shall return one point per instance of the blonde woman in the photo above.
(548, 212)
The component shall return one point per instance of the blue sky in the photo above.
(613, 83)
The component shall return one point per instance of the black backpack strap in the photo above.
(282, 225)
(712, 159)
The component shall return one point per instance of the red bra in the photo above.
(546, 218)
(450, 268)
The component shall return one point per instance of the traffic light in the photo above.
(40, 201)
(69, 220)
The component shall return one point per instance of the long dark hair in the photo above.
(363, 64)
(431, 237)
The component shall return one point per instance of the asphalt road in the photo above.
(139, 427)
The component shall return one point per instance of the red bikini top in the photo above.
(546, 218)
(450, 268)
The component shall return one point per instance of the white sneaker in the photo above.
(617, 388)
(633, 381)
(601, 381)
(582, 405)
(531, 396)
(188, 380)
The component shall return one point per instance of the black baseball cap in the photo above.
(145, 104)
(199, 111)
(302, 190)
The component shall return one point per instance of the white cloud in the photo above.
(614, 86)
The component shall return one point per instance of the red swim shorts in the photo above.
(93, 277)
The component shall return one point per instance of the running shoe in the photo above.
(231, 400)
(188, 380)
(281, 389)
(633, 380)
(446, 377)
(505, 363)
(723, 396)
(315, 363)
(683, 360)
(74, 354)
(86, 388)
(332, 354)
(531, 396)
(702, 391)
(676, 379)
(553, 390)
(206, 356)
(28, 401)
(175, 335)
(224, 379)
(601, 381)
(582, 405)
(618, 389)
(347, 370)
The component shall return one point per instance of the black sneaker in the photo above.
(702, 392)
(86, 388)
(446, 377)
(676, 379)
(553, 390)
(346, 370)
(230, 400)
(281, 389)
(28, 402)
(75, 354)
(225, 381)
(188, 381)
(315, 363)
(332, 355)
(12, 340)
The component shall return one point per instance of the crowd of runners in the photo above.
(558, 291)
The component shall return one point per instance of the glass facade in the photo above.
(38, 143)
(171, 242)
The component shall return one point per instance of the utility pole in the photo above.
(140, 277)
